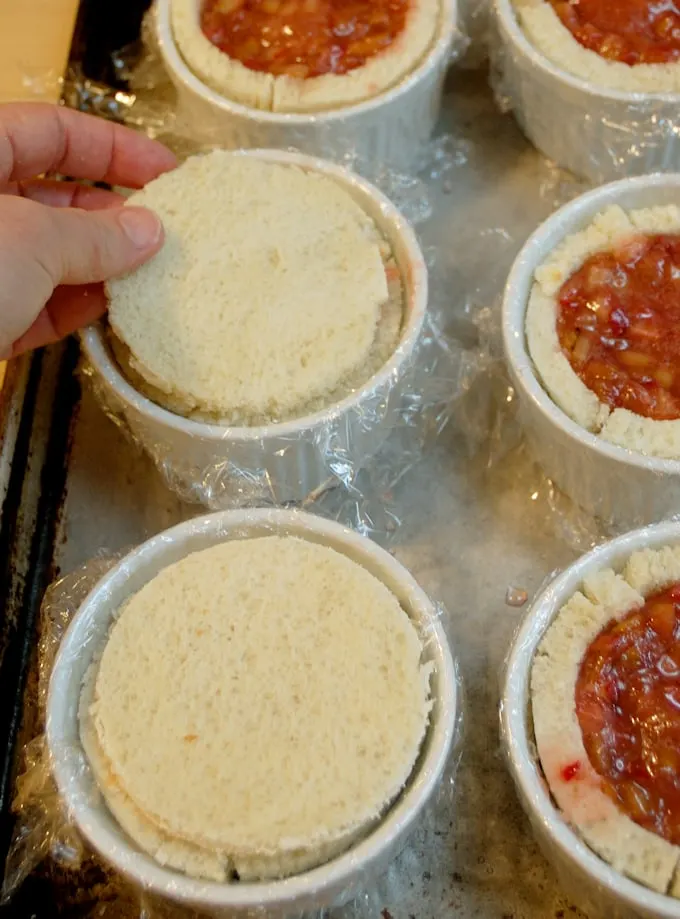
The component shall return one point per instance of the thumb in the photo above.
(82, 247)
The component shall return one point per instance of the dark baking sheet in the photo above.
(31, 512)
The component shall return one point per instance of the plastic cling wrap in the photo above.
(390, 131)
(596, 887)
(475, 19)
(603, 472)
(49, 824)
(598, 133)
(357, 463)
(387, 421)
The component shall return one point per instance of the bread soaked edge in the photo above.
(202, 861)
(612, 227)
(606, 595)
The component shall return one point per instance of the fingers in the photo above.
(66, 194)
(68, 309)
(42, 248)
(81, 248)
(36, 138)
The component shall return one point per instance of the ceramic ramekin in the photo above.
(387, 131)
(598, 133)
(596, 887)
(623, 488)
(340, 879)
(474, 18)
(293, 459)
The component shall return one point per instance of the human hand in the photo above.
(60, 240)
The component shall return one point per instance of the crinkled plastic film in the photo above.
(457, 371)
(491, 416)
(346, 465)
(475, 16)
(46, 829)
(486, 408)
(592, 885)
(610, 489)
(324, 462)
(167, 101)
(596, 133)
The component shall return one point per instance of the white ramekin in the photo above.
(598, 133)
(594, 885)
(293, 459)
(474, 17)
(339, 880)
(387, 131)
(621, 487)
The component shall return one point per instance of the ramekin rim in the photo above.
(416, 287)
(508, 19)
(398, 818)
(514, 713)
(514, 333)
(175, 63)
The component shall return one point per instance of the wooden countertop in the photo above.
(35, 38)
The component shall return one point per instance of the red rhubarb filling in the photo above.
(628, 706)
(303, 38)
(628, 31)
(618, 323)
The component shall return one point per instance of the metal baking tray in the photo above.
(73, 485)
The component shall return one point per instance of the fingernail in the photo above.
(142, 227)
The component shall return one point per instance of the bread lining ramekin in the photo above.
(621, 487)
(389, 130)
(340, 879)
(595, 886)
(290, 461)
(596, 132)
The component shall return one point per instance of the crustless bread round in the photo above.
(257, 707)
(269, 295)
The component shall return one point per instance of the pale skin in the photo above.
(59, 241)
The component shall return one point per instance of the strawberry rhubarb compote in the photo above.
(628, 706)
(628, 31)
(303, 38)
(618, 324)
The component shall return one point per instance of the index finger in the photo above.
(36, 138)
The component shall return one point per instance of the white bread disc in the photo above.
(265, 296)
(264, 699)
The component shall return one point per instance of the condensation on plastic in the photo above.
(596, 133)
(475, 18)
(590, 883)
(45, 831)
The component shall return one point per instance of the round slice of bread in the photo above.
(385, 343)
(179, 854)
(266, 295)
(265, 700)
